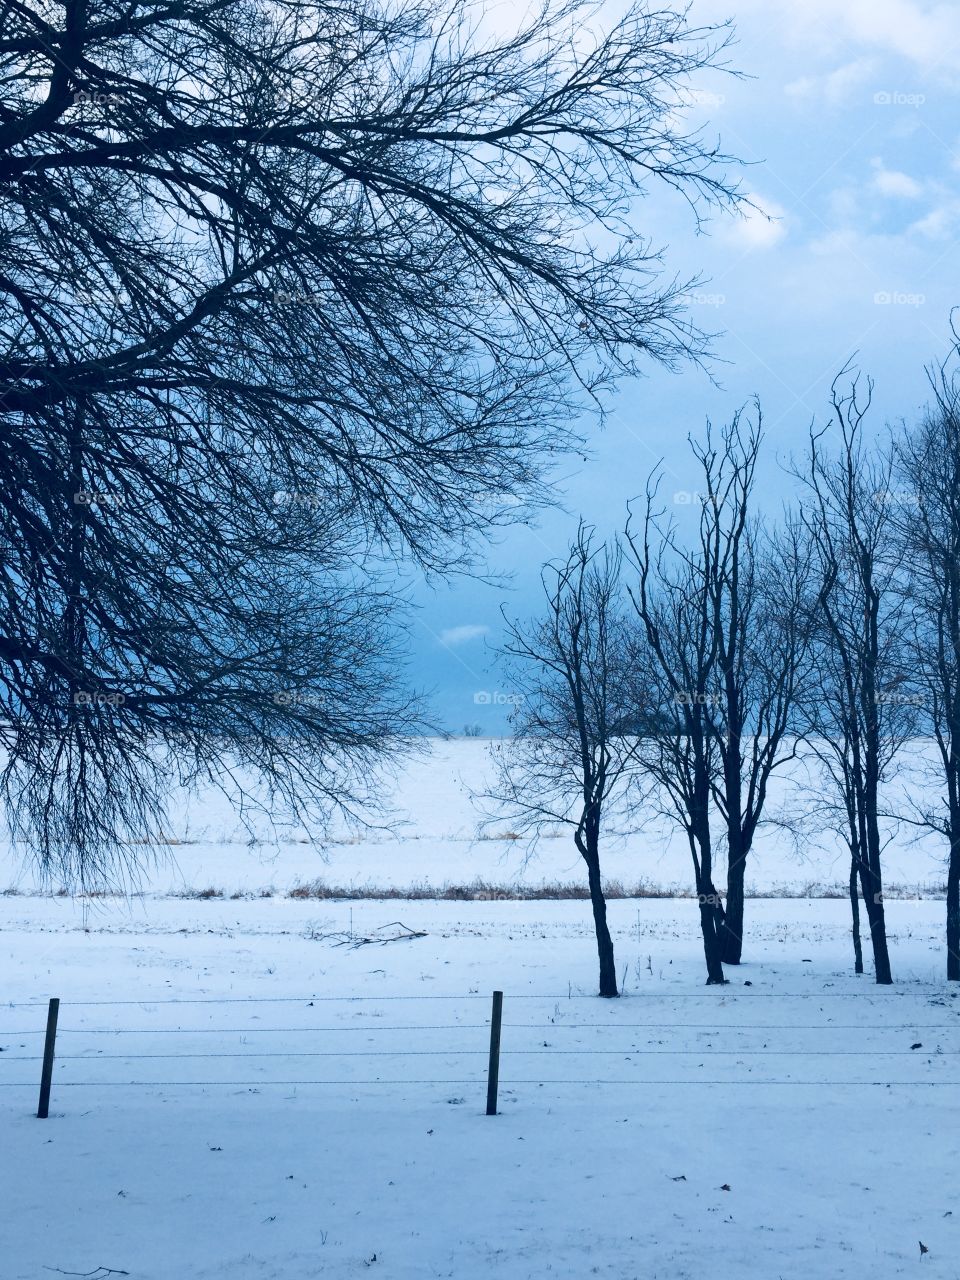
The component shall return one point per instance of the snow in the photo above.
(433, 840)
(252, 1175)
(241, 1091)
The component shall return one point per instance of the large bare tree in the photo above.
(576, 727)
(753, 593)
(678, 667)
(729, 646)
(856, 715)
(286, 287)
(926, 510)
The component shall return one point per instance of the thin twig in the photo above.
(97, 1273)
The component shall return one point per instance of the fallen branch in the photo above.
(406, 935)
(96, 1274)
(376, 938)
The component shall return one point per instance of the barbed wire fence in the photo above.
(68, 1056)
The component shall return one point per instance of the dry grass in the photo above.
(489, 891)
(478, 891)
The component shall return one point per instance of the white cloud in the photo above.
(925, 34)
(805, 87)
(843, 204)
(929, 35)
(938, 224)
(834, 87)
(844, 241)
(761, 227)
(893, 183)
(454, 636)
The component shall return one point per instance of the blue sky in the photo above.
(851, 128)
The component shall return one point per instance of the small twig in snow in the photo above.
(96, 1274)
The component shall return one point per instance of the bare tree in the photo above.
(140, 664)
(832, 735)
(753, 593)
(678, 668)
(857, 718)
(285, 288)
(926, 510)
(729, 645)
(575, 724)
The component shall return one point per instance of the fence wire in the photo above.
(633, 1054)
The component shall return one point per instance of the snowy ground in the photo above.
(242, 1092)
(432, 839)
(621, 1122)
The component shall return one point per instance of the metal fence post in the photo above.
(493, 1072)
(43, 1110)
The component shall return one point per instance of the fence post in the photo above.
(493, 1072)
(48, 1047)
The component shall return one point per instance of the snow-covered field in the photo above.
(242, 1091)
(621, 1122)
(433, 840)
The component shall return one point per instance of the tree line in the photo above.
(681, 664)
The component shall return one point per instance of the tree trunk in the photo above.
(712, 945)
(711, 910)
(731, 930)
(855, 914)
(953, 913)
(711, 926)
(608, 970)
(871, 888)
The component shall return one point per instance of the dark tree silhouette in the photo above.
(926, 510)
(286, 288)
(727, 650)
(856, 716)
(753, 593)
(677, 665)
(574, 739)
